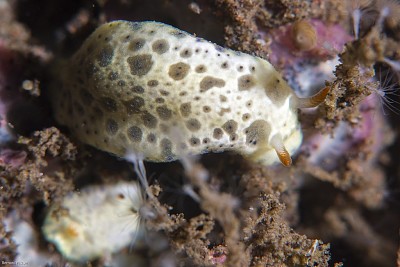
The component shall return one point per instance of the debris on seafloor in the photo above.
(337, 204)
(25, 235)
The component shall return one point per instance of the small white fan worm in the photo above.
(131, 82)
(96, 222)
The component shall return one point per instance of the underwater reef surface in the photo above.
(337, 205)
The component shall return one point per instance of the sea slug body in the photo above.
(98, 221)
(132, 83)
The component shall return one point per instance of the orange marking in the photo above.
(70, 232)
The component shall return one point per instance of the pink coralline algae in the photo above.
(13, 158)
(325, 150)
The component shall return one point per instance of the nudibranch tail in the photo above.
(281, 151)
(313, 101)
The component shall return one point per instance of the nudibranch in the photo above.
(98, 221)
(152, 89)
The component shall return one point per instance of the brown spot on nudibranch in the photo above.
(160, 46)
(230, 127)
(223, 111)
(105, 56)
(135, 134)
(233, 137)
(135, 25)
(246, 116)
(108, 104)
(218, 133)
(193, 125)
(163, 112)
(151, 138)
(134, 105)
(194, 141)
(164, 93)
(206, 109)
(138, 89)
(186, 109)
(113, 76)
(140, 65)
(178, 71)
(111, 127)
(149, 120)
(160, 100)
(200, 69)
(225, 65)
(152, 83)
(246, 82)
(137, 44)
(178, 34)
(209, 82)
(121, 83)
(186, 53)
(90, 69)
